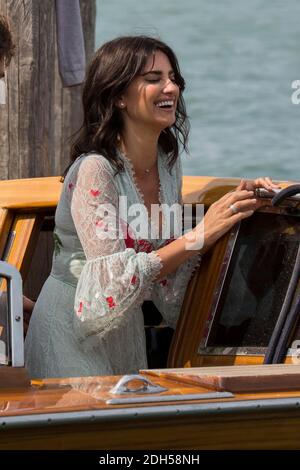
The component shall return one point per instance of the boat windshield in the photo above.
(256, 282)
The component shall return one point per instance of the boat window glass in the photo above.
(5, 355)
(256, 282)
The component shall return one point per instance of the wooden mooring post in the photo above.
(40, 115)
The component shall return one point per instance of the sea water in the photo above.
(239, 59)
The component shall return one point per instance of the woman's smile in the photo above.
(166, 105)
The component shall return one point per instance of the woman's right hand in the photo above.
(225, 213)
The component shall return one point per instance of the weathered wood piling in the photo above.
(40, 115)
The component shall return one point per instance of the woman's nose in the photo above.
(170, 86)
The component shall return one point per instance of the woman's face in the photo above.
(151, 99)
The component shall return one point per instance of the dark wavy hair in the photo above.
(114, 66)
(7, 46)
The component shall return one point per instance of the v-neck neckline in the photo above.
(154, 227)
(135, 185)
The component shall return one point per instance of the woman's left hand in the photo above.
(251, 185)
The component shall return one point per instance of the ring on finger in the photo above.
(233, 208)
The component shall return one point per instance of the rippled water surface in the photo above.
(239, 58)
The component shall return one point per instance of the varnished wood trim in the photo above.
(196, 305)
(6, 218)
(264, 430)
(30, 193)
(208, 189)
(26, 227)
(45, 192)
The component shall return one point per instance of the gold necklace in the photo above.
(147, 171)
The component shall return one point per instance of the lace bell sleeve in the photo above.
(115, 279)
(168, 293)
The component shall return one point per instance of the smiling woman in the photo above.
(128, 145)
(129, 76)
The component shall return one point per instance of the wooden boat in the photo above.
(74, 414)
(206, 408)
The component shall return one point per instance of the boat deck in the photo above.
(73, 414)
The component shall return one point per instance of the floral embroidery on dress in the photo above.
(110, 301)
(145, 245)
(139, 245)
(95, 192)
(100, 223)
(142, 245)
(79, 311)
(129, 241)
(123, 271)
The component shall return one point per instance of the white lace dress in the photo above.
(88, 318)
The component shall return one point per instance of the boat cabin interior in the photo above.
(238, 304)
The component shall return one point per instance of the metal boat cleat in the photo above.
(144, 385)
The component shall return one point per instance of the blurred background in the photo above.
(239, 59)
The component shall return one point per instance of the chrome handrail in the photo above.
(15, 304)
